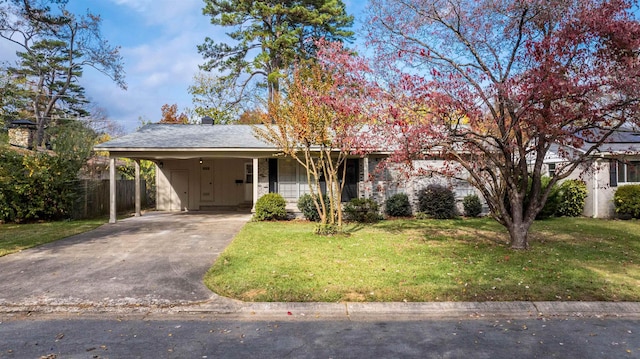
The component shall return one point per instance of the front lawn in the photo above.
(431, 260)
(16, 237)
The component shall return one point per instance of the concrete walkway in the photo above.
(155, 264)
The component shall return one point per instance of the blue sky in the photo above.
(158, 40)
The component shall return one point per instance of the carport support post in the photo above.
(137, 166)
(112, 190)
(255, 184)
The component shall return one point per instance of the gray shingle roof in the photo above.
(621, 141)
(165, 136)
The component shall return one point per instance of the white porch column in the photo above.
(112, 190)
(138, 206)
(255, 184)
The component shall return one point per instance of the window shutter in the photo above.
(613, 173)
(273, 175)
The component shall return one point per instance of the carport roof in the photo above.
(171, 137)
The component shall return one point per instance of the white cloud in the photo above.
(159, 65)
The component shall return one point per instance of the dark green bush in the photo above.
(553, 200)
(362, 210)
(437, 201)
(571, 197)
(550, 206)
(627, 201)
(308, 207)
(398, 206)
(36, 187)
(472, 205)
(269, 207)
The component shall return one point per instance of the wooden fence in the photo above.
(94, 197)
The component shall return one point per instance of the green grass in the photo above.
(16, 237)
(432, 260)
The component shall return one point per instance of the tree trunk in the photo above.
(40, 127)
(519, 235)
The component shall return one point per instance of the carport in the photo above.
(198, 167)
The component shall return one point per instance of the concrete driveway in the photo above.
(156, 259)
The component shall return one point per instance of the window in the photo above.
(248, 173)
(552, 169)
(292, 179)
(628, 171)
(287, 175)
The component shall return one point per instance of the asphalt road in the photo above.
(294, 337)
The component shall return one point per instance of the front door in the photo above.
(248, 182)
(206, 182)
(350, 190)
(179, 190)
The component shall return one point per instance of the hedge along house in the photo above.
(212, 167)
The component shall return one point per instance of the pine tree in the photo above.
(268, 36)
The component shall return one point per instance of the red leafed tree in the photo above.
(170, 115)
(318, 120)
(494, 86)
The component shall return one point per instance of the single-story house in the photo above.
(209, 167)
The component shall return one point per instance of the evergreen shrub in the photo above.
(308, 207)
(572, 194)
(270, 207)
(398, 205)
(472, 205)
(627, 201)
(362, 210)
(437, 201)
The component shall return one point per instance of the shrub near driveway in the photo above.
(432, 260)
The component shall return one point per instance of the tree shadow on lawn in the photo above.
(399, 225)
(469, 230)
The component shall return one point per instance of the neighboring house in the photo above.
(615, 163)
(208, 167)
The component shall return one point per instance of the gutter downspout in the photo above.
(595, 188)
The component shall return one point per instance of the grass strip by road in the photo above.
(432, 260)
(17, 237)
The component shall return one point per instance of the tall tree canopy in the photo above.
(210, 96)
(55, 46)
(493, 86)
(268, 36)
